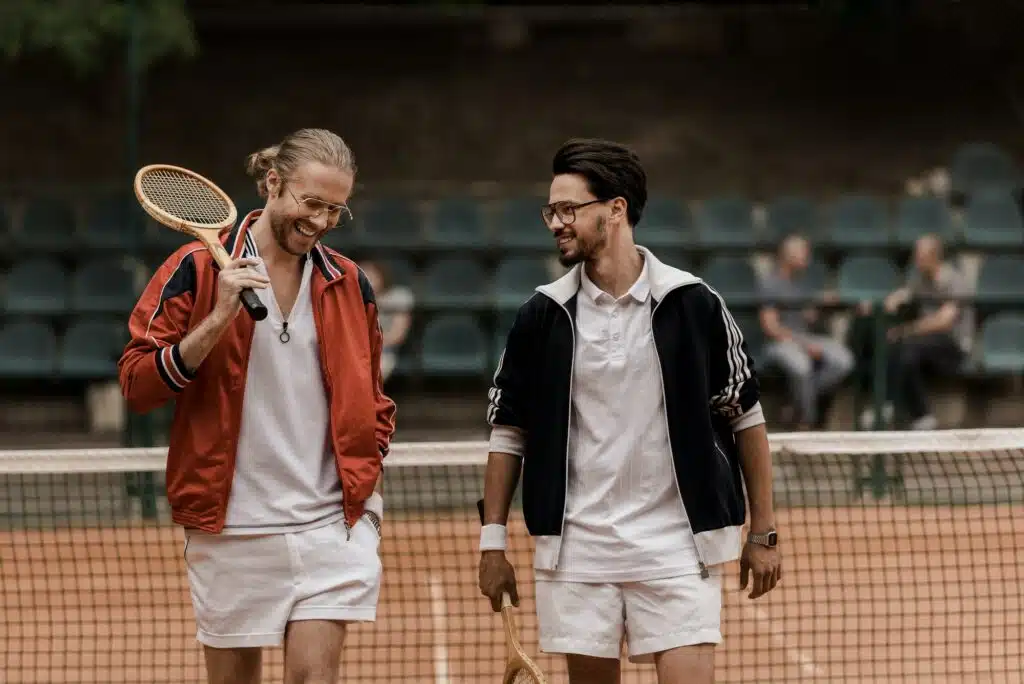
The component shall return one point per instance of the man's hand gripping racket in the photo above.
(189, 203)
(497, 577)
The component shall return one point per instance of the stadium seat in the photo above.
(455, 282)
(750, 325)
(993, 220)
(113, 222)
(867, 278)
(458, 222)
(980, 166)
(791, 214)
(104, 286)
(515, 280)
(726, 222)
(505, 320)
(47, 226)
(917, 216)
(675, 256)
(388, 222)
(1000, 279)
(400, 271)
(816, 275)
(161, 240)
(28, 349)
(453, 344)
(519, 224)
(90, 349)
(36, 286)
(666, 222)
(1002, 343)
(733, 277)
(857, 221)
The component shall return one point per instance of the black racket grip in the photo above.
(253, 305)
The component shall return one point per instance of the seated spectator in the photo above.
(394, 304)
(931, 333)
(814, 363)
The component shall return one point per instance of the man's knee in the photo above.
(233, 665)
(692, 664)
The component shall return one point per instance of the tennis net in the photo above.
(901, 564)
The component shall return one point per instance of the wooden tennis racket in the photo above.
(519, 668)
(188, 203)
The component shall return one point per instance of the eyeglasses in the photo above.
(565, 211)
(314, 207)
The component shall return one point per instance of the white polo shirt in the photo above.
(285, 476)
(624, 518)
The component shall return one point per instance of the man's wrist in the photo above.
(493, 537)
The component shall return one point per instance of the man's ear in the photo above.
(273, 184)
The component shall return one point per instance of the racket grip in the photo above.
(253, 305)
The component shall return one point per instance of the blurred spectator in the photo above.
(931, 333)
(395, 305)
(813, 362)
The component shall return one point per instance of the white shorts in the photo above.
(654, 616)
(245, 590)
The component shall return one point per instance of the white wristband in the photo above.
(493, 538)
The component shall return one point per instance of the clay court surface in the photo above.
(869, 595)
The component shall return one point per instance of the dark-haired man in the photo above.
(626, 397)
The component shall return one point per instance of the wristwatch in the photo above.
(769, 538)
(374, 520)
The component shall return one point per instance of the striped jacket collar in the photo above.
(240, 243)
(662, 278)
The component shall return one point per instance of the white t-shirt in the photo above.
(624, 519)
(286, 479)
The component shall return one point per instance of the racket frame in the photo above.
(517, 659)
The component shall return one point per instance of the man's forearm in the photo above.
(756, 462)
(198, 343)
(500, 479)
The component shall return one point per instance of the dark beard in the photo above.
(586, 250)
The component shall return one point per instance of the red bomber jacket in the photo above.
(208, 410)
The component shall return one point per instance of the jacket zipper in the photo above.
(704, 572)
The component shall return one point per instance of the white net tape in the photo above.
(474, 453)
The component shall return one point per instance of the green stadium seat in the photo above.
(666, 222)
(734, 278)
(505, 320)
(979, 166)
(519, 224)
(458, 222)
(791, 214)
(675, 256)
(455, 282)
(388, 222)
(114, 222)
(104, 286)
(90, 349)
(750, 325)
(28, 349)
(453, 345)
(867, 278)
(162, 240)
(816, 275)
(399, 271)
(36, 286)
(47, 226)
(726, 222)
(516, 278)
(993, 221)
(858, 221)
(1000, 279)
(1002, 343)
(918, 216)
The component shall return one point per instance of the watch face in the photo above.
(773, 539)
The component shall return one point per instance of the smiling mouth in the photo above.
(305, 231)
(564, 240)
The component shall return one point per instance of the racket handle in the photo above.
(506, 600)
(253, 305)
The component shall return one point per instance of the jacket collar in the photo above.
(661, 277)
(240, 243)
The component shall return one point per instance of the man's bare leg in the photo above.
(590, 670)
(686, 665)
(233, 665)
(312, 651)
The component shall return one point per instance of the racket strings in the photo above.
(185, 197)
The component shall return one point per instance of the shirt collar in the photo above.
(639, 292)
